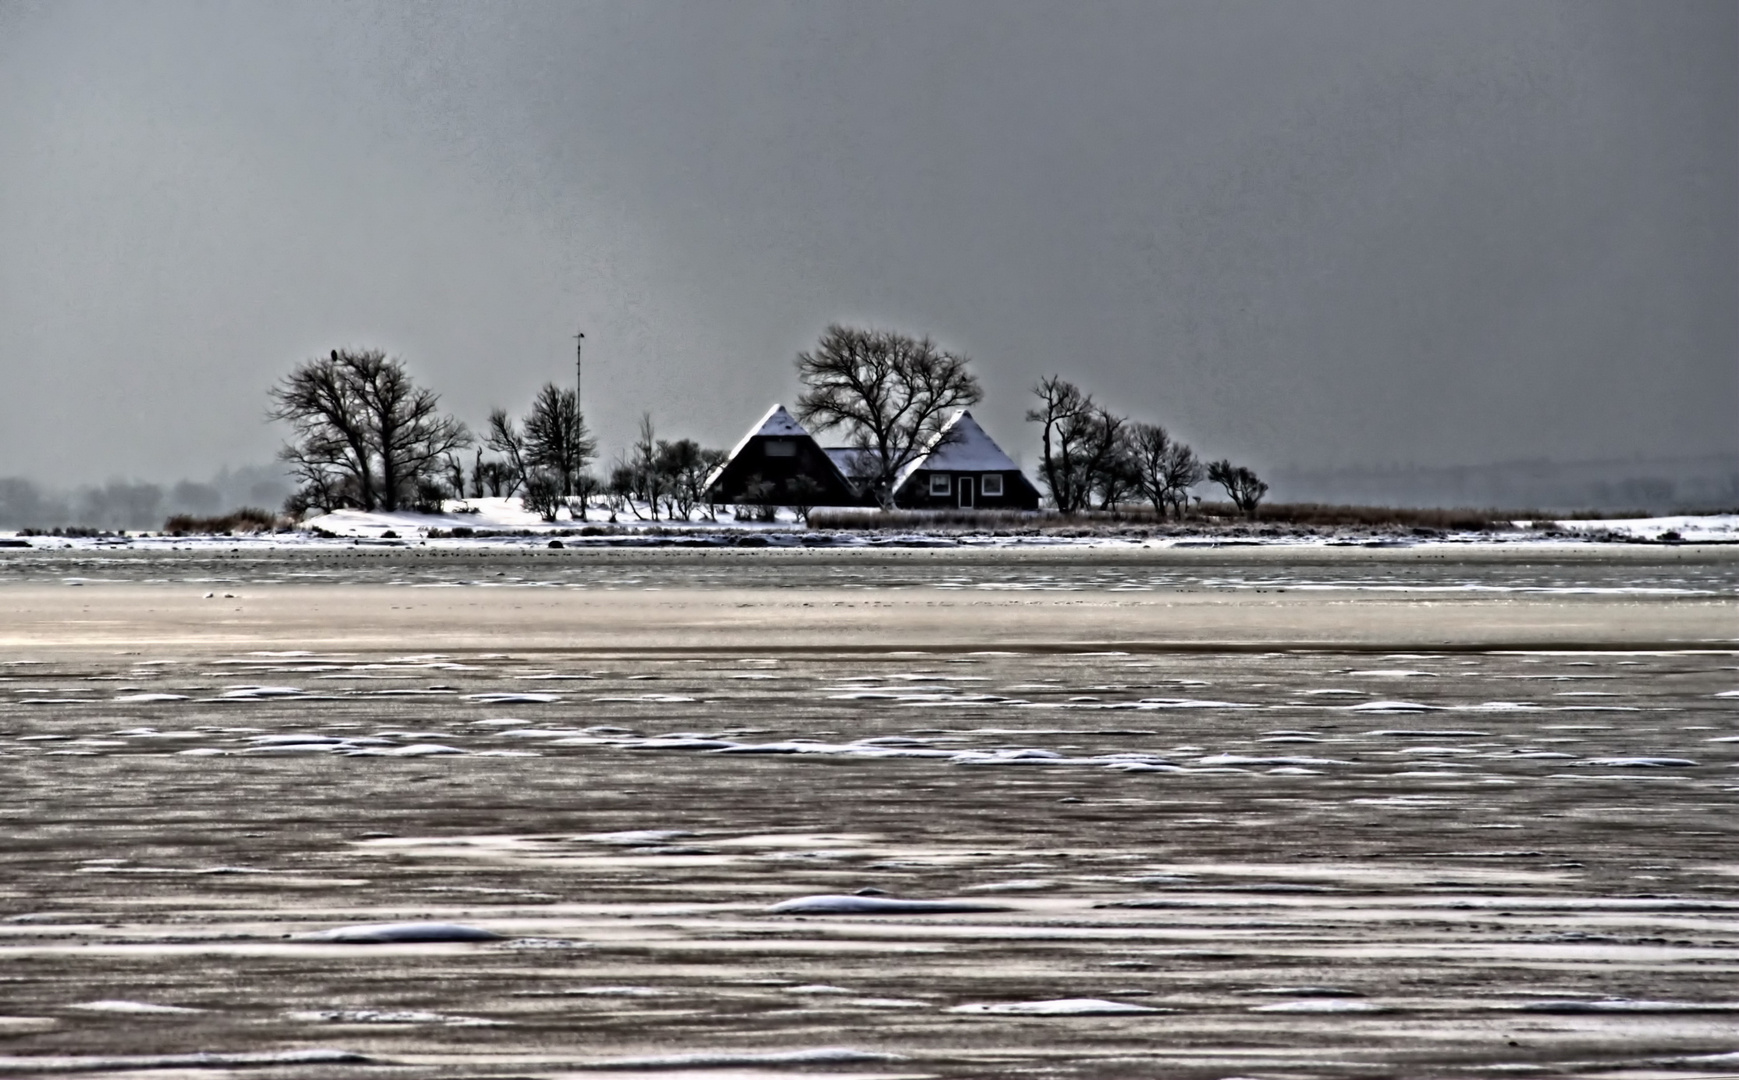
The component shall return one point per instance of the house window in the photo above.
(990, 483)
(938, 483)
(781, 448)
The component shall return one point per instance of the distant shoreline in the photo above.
(785, 537)
(506, 521)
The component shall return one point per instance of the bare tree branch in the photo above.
(1165, 468)
(505, 438)
(331, 451)
(1065, 414)
(892, 394)
(365, 434)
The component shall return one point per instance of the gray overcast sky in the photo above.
(1310, 234)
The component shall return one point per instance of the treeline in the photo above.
(127, 504)
(1093, 456)
(1142, 519)
(365, 436)
(891, 394)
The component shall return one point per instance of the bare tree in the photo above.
(1242, 485)
(648, 480)
(676, 461)
(493, 478)
(685, 467)
(323, 481)
(891, 393)
(411, 436)
(586, 488)
(1108, 466)
(330, 454)
(710, 462)
(620, 491)
(455, 466)
(430, 496)
(506, 439)
(1066, 414)
(1151, 443)
(556, 439)
(1178, 472)
(543, 495)
(1165, 468)
(365, 434)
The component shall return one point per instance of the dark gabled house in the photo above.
(964, 468)
(779, 463)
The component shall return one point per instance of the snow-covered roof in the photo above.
(961, 446)
(844, 458)
(776, 422)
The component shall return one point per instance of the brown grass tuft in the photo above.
(249, 519)
(1205, 516)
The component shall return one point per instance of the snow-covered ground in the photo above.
(507, 515)
(1702, 528)
(502, 520)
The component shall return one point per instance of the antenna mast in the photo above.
(579, 344)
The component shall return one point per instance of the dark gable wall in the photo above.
(1018, 492)
(808, 459)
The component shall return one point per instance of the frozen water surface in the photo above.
(1304, 871)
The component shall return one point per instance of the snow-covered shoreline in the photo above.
(502, 522)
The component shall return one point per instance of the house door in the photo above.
(966, 492)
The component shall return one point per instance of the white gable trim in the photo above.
(775, 421)
(779, 424)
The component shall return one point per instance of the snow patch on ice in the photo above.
(725, 1060)
(635, 837)
(252, 693)
(878, 905)
(140, 1007)
(1057, 1007)
(387, 1016)
(33, 1066)
(395, 933)
(1626, 1005)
